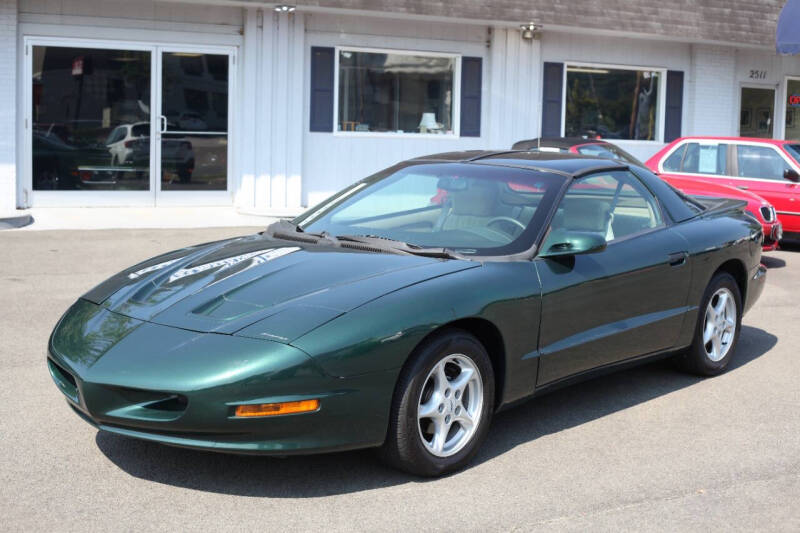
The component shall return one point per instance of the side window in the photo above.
(705, 159)
(635, 211)
(613, 204)
(760, 162)
(673, 162)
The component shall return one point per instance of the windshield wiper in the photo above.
(288, 231)
(394, 244)
(285, 230)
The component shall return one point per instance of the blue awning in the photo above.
(787, 36)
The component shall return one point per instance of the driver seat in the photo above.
(470, 207)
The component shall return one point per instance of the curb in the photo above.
(15, 222)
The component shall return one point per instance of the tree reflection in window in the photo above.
(612, 103)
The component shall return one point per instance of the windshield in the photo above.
(794, 151)
(468, 208)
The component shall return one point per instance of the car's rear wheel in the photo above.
(718, 324)
(442, 406)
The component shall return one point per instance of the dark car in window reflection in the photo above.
(58, 164)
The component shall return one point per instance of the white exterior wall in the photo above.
(271, 144)
(775, 69)
(711, 92)
(278, 164)
(8, 105)
(514, 100)
(714, 88)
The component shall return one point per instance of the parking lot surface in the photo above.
(648, 448)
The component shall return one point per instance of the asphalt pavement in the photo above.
(645, 449)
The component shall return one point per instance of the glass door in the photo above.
(124, 124)
(792, 124)
(89, 123)
(193, 125)
(756, 112)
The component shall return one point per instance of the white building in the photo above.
(236, 103)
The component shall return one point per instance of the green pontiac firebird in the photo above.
(408, 308)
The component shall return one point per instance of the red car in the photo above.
(758, 207)
(766, 167)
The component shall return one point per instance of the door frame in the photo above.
(152, 196)
(193, 198)
(748, 85)
(785, 95)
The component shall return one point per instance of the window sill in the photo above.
(392, 135)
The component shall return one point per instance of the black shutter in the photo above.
(674, 108)
(471, 79)
(321, 89)
(552, 90)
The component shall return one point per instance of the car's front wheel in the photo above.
(717, 331)
(442, 406)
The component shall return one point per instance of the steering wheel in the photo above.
(513, 221)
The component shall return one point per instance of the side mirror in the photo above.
(576, 242)
(791, 175)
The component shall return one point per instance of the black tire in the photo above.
(404, 447)
(696, 359)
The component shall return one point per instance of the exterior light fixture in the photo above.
(284, 9)
(530, 31)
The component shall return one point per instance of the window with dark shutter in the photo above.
(612, 103)
(395, 92)
(471, 80)
(551, 99)
(674, 105)
(321, 108)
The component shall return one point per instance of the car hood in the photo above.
(258, 287)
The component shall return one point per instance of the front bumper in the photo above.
(180, 388)
(350, 417)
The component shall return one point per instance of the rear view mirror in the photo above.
(576, 242)
(791, 175)
(452, 183)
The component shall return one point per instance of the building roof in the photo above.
(736, 22)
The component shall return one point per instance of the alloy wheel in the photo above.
(450, 405)
(719, 326)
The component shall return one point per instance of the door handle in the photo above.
(742, 187)
(678, 258)
(163, 121)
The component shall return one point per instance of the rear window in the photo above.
(794, 151)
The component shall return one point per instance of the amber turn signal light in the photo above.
(274, 409)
